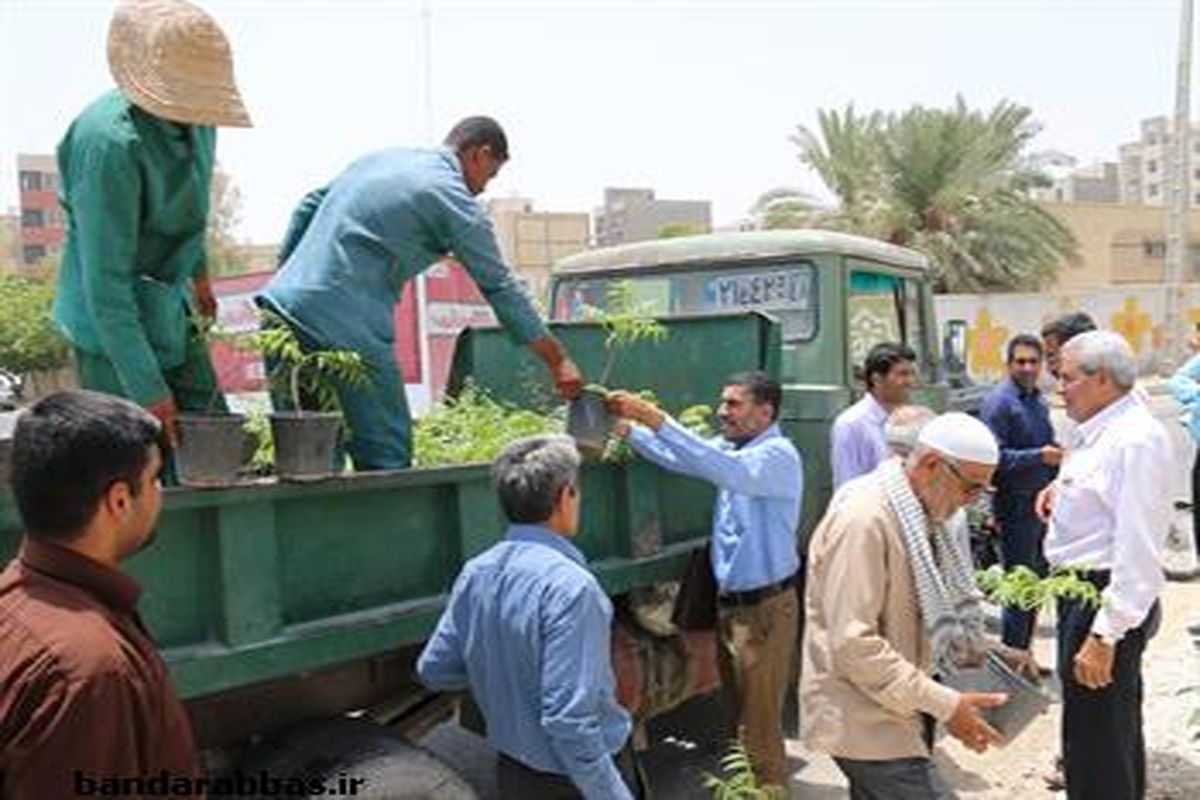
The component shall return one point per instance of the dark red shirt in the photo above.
(84, 693)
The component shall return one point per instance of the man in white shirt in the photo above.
(857, 442)
(1107, 512)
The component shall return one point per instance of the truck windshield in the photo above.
(787, 291)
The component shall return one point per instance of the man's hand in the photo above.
(621, 429)
(967, 724)
(168, 414)
(1020, 661)
(206, 301)
(1052, 455)
(1043, 505)
(1094, 662)
(630, 406)
(567, 379)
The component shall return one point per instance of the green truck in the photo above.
(291, 614)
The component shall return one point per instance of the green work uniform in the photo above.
(136, 192)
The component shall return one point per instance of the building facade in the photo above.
(1099, 183)
(531, 241)
(43, 223)
(636, 215)
(1146, 165)
(1121, 244)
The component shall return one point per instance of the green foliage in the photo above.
(309, 377)
(674, 230)
(258, 428)
(739, 781)
(952, 183)
(29, 339)
(697, 419)
(1021, 587)
(474, 428)
(625, 321)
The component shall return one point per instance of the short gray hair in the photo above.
(904, 425)
(530, 473)
(1104, 351)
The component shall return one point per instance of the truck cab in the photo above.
(835, 296)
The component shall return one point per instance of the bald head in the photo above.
(904, 425)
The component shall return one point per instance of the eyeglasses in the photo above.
(969, 487)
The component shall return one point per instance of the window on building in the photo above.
(33, 253)
(31, 181)
(1152, 190)
(32, 218)
(1152, 166)
(1154, 249)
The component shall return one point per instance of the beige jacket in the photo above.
(866, 654)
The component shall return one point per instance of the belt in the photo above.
(752, 597)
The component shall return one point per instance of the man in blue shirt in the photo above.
(759, 479)
(352, 246)
(527, 630)
(1017, 415)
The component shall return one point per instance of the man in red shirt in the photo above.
(85, 701)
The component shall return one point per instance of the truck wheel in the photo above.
(328, 758)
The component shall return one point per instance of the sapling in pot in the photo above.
(211, 443)
(306, 436)
(625, 322)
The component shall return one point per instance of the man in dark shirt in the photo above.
(85, 703)
(1019, 418)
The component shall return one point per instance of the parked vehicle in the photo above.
(277, 604)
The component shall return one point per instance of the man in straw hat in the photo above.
(353, 245)
(890, 601)
(136, 167)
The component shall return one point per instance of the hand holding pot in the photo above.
(567, 379)
(629, 406)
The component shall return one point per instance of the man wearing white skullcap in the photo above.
(891, 601)
(136, 167)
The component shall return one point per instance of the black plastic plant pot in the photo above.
(588, 420)
(305, 444)
(1025, 700)
(210, 449)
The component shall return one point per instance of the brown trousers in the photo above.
(754, 654)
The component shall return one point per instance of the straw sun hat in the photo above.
(171, 59)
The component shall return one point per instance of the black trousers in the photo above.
(517, 781)
(1104, 754)
(1196, 501)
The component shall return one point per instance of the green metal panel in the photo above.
(688, 368)
(253, 583)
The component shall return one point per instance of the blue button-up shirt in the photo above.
(527, 629)
(1185, 388)
(857, 443)
(760, 486)
(1020, 421)
(388, 217)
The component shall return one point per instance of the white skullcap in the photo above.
(962, 437)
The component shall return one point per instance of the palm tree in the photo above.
(952, 183)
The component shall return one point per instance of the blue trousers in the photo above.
(380, 427)
(1021, 534)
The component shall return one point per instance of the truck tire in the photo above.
(326, 758)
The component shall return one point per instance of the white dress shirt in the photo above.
(1112, 509)
(857, 441)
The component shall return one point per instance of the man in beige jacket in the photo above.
(889, 600)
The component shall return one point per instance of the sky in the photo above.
(696, 100)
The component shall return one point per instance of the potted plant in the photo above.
(306, 436)
(211, 443)
(625, 322)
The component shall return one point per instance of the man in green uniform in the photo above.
(136, 167)
(352, 246)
